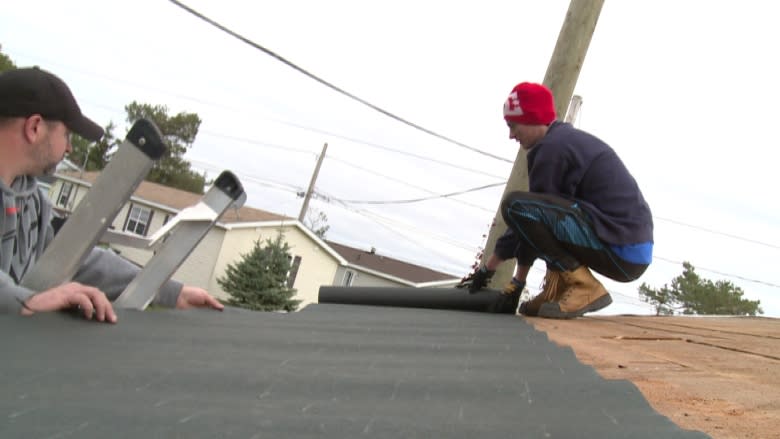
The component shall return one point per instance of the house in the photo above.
(65, 165)
(371, 269)
(314, 262)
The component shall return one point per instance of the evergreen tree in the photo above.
(662, 299)
(259, 280)
(691, 294)
(93, 156)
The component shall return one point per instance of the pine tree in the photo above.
(692, 294)
(259, 280)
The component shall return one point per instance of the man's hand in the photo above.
(91, 301)
(194, 297)
(477, 280)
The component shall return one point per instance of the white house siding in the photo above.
(198, 268)
(317, 266)
(79, 191)
(139, 256)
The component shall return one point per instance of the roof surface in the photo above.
(384, 264)
(329, 371)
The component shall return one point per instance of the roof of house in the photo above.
(328, 371)
(179, 199)
(394, 267)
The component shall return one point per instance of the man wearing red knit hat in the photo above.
(583, 211)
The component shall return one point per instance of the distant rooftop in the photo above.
(375, 261)
(180, 199)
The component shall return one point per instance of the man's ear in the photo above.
(33, 128)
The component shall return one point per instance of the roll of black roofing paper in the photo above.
(431, 298)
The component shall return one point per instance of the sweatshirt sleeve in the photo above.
(111, 273)
(11, 294)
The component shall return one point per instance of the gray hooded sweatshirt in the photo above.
(26, 231)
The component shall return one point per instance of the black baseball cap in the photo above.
(28, 91)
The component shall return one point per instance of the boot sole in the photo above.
(552, 310)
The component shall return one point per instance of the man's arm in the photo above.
(111, 273)
(12, 295)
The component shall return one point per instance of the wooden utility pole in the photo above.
(561, 77)
(307, 197)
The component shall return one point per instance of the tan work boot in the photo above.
(583, 293)
(552, 288)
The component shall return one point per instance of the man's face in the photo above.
(49, 151)
(526, 135)
(522, 134)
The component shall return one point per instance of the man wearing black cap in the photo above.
(37, 115)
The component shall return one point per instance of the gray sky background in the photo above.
(684, 91)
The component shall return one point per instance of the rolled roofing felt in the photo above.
(432, 298)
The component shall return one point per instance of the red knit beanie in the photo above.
(530, 104)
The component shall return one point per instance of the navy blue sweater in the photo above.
(578, 166)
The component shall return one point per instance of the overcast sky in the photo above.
(683, 91)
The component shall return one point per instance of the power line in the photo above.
(736, 276)
(287, 187)
(386, 148)
(405, 236)
(406, 183)
(258, 143)
(716, 232)
(328, 133)
(331, 86)
(325, 197)
(271, 119)
(416, 200)
(379, 219)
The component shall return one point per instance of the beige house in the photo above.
(371, 269)
(314, 262)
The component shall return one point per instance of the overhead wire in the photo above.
(417, 200)
(332, 86)
(717, 232)
(275, 120)
(403, 182)
(722, 273)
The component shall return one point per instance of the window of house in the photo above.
(296, 263)
(349, 276)
(65, 192)
(138, 220)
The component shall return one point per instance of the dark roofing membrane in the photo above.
(329, 371)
